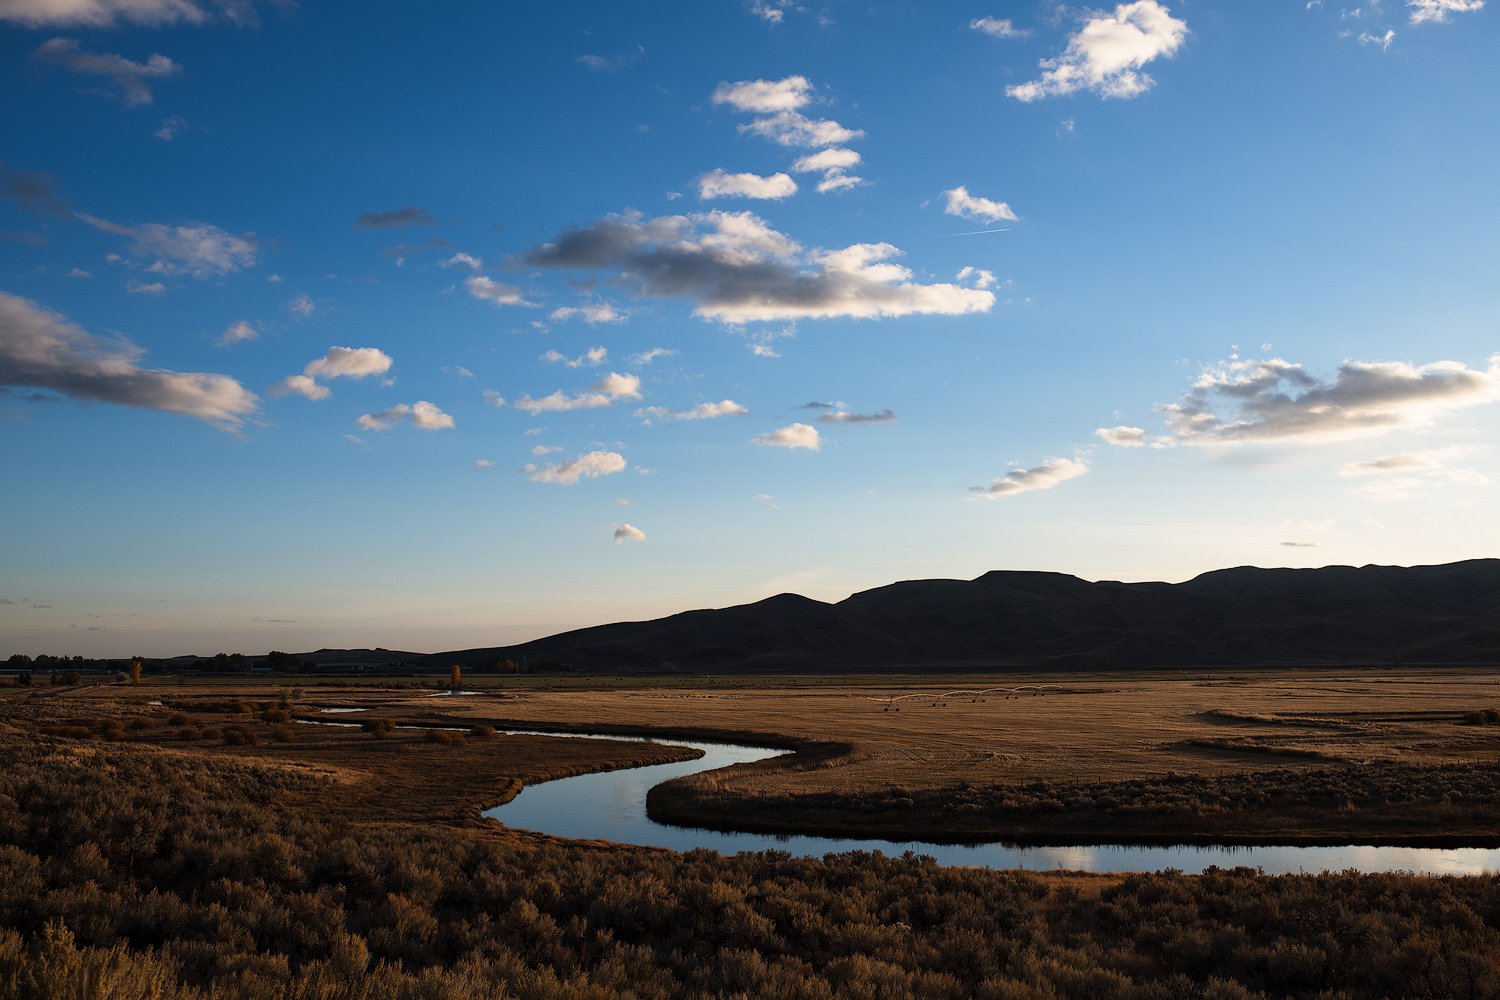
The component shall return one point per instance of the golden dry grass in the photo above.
(1057, 728)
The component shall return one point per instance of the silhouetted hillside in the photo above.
(1232, 617)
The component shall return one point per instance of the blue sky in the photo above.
(454, 325)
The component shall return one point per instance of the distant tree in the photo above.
(455, 677)
(136, 666)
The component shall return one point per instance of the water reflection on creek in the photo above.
(611, 805)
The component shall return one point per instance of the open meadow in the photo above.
(213, 846)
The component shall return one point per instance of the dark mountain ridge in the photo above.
(1244, 616)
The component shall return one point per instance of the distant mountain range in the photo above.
(1448, 614)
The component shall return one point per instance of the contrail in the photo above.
(977, 232)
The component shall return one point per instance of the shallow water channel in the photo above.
(611, 805)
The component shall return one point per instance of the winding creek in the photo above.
(611, 805)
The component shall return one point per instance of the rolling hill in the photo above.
(1447, 614)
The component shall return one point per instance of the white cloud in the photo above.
(301, 306)
(41, 349)
(145, 288)
(792, 128)
(765, 96)
(196, 249)
(606, 392)
(770, 11)
(589, 466)
(463, 259)
(493, 398)
(1250, 401)
(127, 76)
(338, 362)
(703, 411)
(496, 293)
(79, 272)
(719, 184)
(302, 385)
(106, 13)
(997, 27)
(589, 312)
(1122, 436)
(422, 414)
(544, 449)
(776, 101)
(737, 269)
(1383, 41)
(1043, 477)
(967, 206)
(483, 463)
(646, 357)
(621, 502)
(349, 362)
(429, 417)
(982, 278)
(791, 436)
(1437, 11)
(833, 164)
(629, 533)
(827, 159)
(593, 356)
(1106, 55)
(458, 371)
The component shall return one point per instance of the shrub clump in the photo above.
(379, 728)
(239, 736)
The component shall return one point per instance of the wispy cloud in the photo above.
(646, 357)
(129, 78)
(41, 349)
(196, 249)
(614, 63)
(703, 411)
(395, 218)
(997, 27)
(1122, 436)
(629, 533)
(422, 414)
(840, 416)
(606, 392)
(108, 13)
(593, 356)
(1106, 55)
(496, 293)
(1052, 472)
(588, 466)
(590, 312)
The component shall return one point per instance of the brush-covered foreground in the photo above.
(344, 864)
